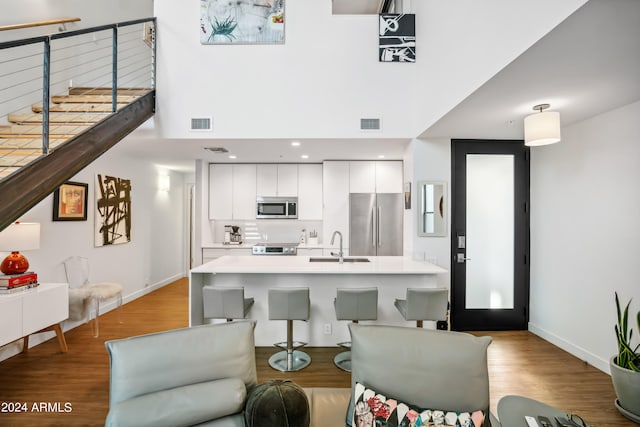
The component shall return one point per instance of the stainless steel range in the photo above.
(275, 249)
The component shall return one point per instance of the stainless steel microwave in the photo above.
(277, 207)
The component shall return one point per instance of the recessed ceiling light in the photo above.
(381, 156)
(305, 156)
(232, 156)
(295, 143)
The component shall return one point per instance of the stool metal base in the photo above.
(343, 361)
(285, 361)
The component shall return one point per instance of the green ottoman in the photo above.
(277, 403)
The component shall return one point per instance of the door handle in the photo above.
(373, 228)
(461, 259)
(379, 231)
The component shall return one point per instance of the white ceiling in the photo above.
(587, 65)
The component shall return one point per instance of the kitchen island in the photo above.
(392, 275)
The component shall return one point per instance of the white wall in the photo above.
(431, 162)
(327, 76)
(463, 43)
(154, 257)
(584, 233)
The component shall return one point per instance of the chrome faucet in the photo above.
(340, 254)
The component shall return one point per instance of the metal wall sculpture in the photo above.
(113, 210)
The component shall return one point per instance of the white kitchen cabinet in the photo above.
(287, 180)
(209, 254)
(389, 177)
(220, 191)
(375, 176)
(335, 182)
(267, 180)
(362, 177)
(279, 180)
(310, 192)
(244, 192)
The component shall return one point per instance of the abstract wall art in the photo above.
(242, 22)
(70, 202)
(113, 210)
(397, 37)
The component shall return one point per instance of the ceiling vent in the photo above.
(370, 124)
(217, 150)
(201, 123)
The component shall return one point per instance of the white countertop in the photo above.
(249, 245)
(301, 265)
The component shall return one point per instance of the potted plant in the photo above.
(625, 366)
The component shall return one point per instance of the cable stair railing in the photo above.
(64, 100)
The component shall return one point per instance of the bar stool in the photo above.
(289, 304)
(424, 304)
(353, 304)
(225, 303)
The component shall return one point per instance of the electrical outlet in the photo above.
(327, 328)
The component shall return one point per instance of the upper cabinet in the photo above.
(220, 191)
(244, 191)
(336, 201)
(277, 180)
(375, 176)
(309, 191)
(232, 191)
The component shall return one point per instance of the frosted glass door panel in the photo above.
(490, 231)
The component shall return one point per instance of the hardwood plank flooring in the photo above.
(519, 363)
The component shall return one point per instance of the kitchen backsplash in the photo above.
(269, 230)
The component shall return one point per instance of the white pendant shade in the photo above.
(542, 128)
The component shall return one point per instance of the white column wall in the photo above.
(585, 203)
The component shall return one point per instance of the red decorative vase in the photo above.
(15, 263)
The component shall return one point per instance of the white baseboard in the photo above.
(579, 352)
(10, 350)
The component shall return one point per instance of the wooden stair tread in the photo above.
(107, 91)
(27, 143)
(69, 107)
(28, 130)
(92, 99)
(56, 117)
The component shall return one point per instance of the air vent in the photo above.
(370, 124)
(201, 123)
(217, 150)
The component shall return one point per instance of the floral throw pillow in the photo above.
(375, 410)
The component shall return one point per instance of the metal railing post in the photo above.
(114, 71)
(46, 83)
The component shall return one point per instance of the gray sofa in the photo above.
(200, 376)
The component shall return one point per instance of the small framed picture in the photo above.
(407, 195)
(70, 202)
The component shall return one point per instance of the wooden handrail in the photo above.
(38, 23)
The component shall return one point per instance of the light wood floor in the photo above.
(519, 363)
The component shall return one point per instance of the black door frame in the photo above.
(490, 319)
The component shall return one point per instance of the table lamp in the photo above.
(19, 236)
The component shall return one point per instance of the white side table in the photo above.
(34, 310)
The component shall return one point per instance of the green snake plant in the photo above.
(628, 357)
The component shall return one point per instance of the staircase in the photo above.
(42, 146)
(69, 115)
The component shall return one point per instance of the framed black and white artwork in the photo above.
(397, 42)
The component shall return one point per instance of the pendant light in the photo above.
(542, 128)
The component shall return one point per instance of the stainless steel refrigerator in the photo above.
(375, 224)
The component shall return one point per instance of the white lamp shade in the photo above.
(542, 128)
(20, 236)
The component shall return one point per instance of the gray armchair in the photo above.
(192, 376)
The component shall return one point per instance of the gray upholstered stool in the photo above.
(424, 304)
(225, 303)
(354, 304)
(289, 304)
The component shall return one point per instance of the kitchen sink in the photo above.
(333, 259)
